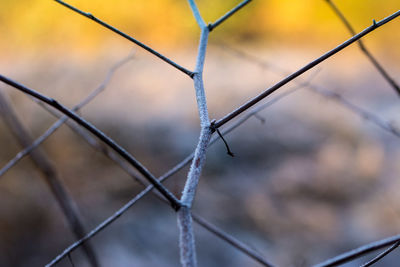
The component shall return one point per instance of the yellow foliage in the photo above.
(38, 25)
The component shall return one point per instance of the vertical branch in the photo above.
(186, 238)
(196, 14)
(50, 175)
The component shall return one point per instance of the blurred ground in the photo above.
(309, 182)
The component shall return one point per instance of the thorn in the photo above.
(374, 22)
(229, 152)
(210, 27)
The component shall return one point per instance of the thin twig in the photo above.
(49, 174)
(364, 114)
(99, 134)
(126, 36)
(369, 116)
(228, 150)
(205, 135)
(307, 67)
(196, 14)
(70, 260)
(63, 119)
(359, 252)
(364, 49)
(212, 26)
(381, 255)
(231, 240)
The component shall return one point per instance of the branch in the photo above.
(212, 26)
(99, 134)
(50, 176)
(30, 147)
(364, 49)
(364, 114)
(126, 36)
(186, 235)
(307, 67)
(381, 255)
(231, 240)
(100, 227)
(389, 127)
(359, 252)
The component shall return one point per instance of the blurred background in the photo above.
(312, 176)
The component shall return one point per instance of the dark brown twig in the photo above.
(364, 49)
(175, 203)
(63, 119)
(126, 36)
(212, 26)
(362, 113)
(228, 150)
(381, 255)
(231, 240)
(307, 67)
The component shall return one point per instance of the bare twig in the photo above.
(307, 67)
(231, 240)
(99, 134)
(364, 49)
(100, 227)
(389, 127)
(364, 114)
(212, 26)
(126, 36)
(359, 252)
(50, 176)
(228, 150)
(70, 260)
(381, 255)
(63, 119)
(205, 135)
